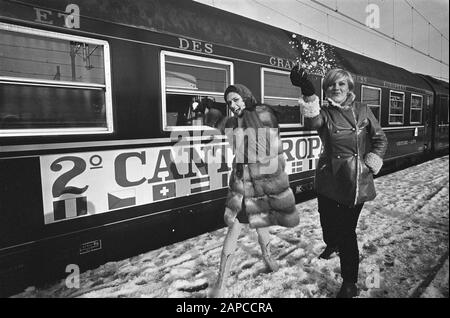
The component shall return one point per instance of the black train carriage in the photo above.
(440, 115)
(94, 96)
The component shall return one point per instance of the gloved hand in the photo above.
(299, 78)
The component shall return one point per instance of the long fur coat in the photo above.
(259, 191)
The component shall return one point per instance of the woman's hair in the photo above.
(247, 96)
(335, 75)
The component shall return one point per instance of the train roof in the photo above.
(198, 21)
(359, 64)
(440, 87)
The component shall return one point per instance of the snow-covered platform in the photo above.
(403, 240)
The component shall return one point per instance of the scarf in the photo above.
(248, 147)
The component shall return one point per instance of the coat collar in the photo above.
(346, 104)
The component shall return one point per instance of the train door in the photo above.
(428, 123)
(442, 122)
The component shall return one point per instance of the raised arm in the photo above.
(309, 101)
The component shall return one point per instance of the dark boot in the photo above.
(348, 290)
(328, 251)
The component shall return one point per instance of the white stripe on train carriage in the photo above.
(108, 143)
(101, 144)
(296, 133)
(402, 156)
(403, 127)
(49, 83)
(51, 34)
(291, 125)
(53, 132)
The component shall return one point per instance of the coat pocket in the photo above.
(344, 171)
(338, 163)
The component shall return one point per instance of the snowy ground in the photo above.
(403, 239)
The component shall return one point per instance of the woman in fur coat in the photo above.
(353, 147)
(259, 192)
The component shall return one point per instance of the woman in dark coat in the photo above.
(259, 192)
(353, 147)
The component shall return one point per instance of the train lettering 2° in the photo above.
(82, 184)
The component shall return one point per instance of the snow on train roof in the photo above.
(198, 21)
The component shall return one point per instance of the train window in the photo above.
(416, 109)
(396, 107)
(53, 83)
(372, 97)
(191, 86)
(278, 92)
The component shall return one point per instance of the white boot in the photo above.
(226, 260)
(264, 242)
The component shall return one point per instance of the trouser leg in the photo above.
(347, 242)
(226, 259)
(264, 242)
(328, 220)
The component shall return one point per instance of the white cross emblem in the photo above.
(164, 191)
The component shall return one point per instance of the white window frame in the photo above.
(411, 109)
(163, 55)
(403, 114)
(63, 84)
(372, 105)
(264, 69)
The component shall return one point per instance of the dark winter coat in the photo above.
(348, 133)
(259, 190)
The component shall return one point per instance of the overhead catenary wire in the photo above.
(412, 27)
(308, 27)
(362, 26)
(413, 8)
(442, 36)
(393, 19)
(380, 34)
(425, 18)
